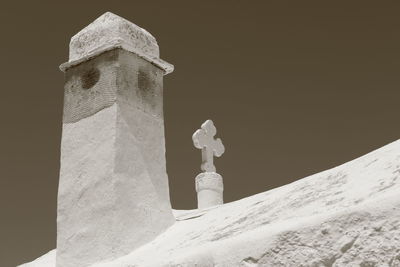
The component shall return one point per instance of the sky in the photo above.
(293, 87)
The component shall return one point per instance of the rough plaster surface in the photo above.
(209, 188)
(113, 192)
(204, 139)
(345, 216)
(110, 31)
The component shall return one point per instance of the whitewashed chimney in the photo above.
(113, 193)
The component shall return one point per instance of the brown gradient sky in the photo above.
(294, 88)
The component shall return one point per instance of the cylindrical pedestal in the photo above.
(209, 188)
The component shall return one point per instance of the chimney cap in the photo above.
(108, 32)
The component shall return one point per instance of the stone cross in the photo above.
(204, 139)
(209, 184)
(113, 194)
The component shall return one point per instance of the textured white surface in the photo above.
(110, 31)
(107, 201)
(209, 188)
(345, 216)
(203, 139)
(113, 192)
(110, 28)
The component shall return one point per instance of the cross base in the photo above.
(209, 188)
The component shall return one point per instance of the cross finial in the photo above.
(204, 139)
